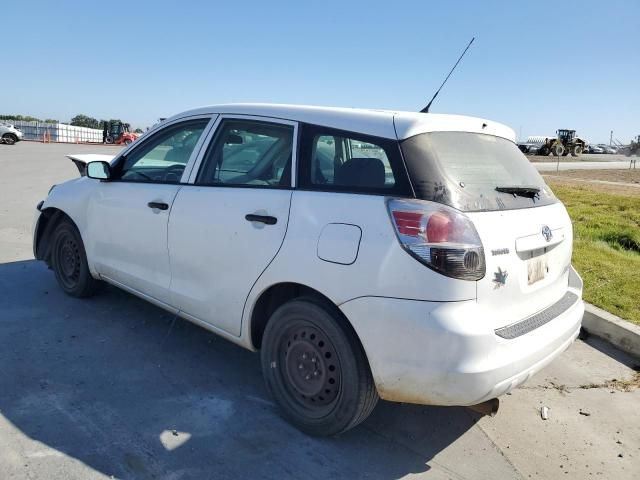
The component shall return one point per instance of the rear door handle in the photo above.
(267, 219)
(158, 205)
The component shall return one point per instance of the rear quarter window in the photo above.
(336, 160)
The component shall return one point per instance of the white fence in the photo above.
(57, 132)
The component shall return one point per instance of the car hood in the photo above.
(81, 160)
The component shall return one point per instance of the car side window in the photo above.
(163, 157)
(248, 152)
(348, 161)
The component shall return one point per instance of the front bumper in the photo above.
(442, 353)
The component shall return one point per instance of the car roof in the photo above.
(381, 123)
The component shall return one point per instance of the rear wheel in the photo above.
(315, 368)
(9, 138)
(576, 151)
(69, 262)
(127, 141)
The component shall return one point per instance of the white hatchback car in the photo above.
(414, 257)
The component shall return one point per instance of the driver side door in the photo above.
(128, 214)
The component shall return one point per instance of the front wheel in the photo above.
(9, 139)
(69, 262)
(557, 150)
(316, 369)
(577, 151)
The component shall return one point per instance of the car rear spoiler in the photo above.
(81, 160)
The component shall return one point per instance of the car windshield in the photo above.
(473, 172)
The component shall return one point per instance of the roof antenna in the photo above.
(426, 109)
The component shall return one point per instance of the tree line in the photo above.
(79, 120)
(27, 118)
(90, 122)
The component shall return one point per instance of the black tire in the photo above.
(316, 369)
(109, 140)
(69, 262)
(10, 139)
(128, 141)
(557, 150)
(576, 151)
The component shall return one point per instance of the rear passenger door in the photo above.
(229, 222)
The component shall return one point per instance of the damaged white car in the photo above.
(408, 256)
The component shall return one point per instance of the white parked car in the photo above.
(595, 149)
(9, 134)
(414, 257)
(608, 149)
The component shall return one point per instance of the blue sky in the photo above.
(536, 66)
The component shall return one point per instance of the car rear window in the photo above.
(463, 169)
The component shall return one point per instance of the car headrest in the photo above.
(361, 172)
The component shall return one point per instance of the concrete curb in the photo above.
(620, 333)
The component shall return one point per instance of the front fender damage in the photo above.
(48, 219)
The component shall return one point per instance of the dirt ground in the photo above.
(622, 182)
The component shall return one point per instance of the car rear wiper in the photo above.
(522, 190)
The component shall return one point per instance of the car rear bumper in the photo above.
(443, 353)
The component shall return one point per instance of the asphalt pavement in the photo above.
(602, 165)
(112, 387)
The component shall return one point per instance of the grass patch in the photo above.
(606, 250)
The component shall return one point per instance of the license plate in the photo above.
(537, 268)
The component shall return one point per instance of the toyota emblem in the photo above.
(546, 233)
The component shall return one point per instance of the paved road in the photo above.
(553, 166)
(105, 387)
(596, 157)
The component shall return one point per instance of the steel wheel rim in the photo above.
(311, 366)
(69, 260)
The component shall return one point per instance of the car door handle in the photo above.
(158, 205)
(252, 217)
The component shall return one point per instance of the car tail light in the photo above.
(442, 238)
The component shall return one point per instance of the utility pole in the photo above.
(611, 139)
